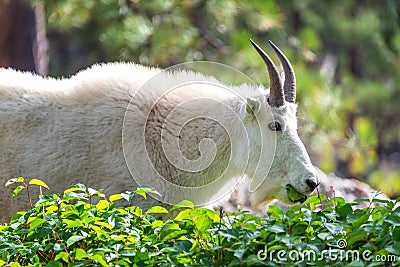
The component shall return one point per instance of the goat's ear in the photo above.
(250, 109)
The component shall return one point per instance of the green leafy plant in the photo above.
(23, 185)
(72, 230)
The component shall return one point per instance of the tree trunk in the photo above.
(23, 43)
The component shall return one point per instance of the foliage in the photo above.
(69, 230)
(346, 59)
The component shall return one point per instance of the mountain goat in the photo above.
(108, 123)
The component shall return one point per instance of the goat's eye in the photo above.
(274, 126)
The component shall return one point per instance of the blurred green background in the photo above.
(345, 54)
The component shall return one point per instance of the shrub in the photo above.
(71, 230)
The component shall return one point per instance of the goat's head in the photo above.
(186, 111)
(291, 176)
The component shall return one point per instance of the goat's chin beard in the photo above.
(261, 199)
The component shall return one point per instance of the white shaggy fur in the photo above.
(68, 131)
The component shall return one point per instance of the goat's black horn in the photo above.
(276, 89)
(289, 86)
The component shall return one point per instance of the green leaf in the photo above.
(396, 234)
(325, 236)
(36, 223)
(206, 261)
(104, 224)
(383, 201)
(102, 205)
(230, 234)
(239, 253)
(344, 209)
(141, 256)
(128, 196)
(156, 223)
(338, 201)
(100, 260)
(393, 219)
(77, 187)
(136, 211)
(293, 194)
(359, 263)
(362, 200)
(299, 228)
(185, 245)
(54, 264)
(143, 190)
(361, 220)
(250, 235)
(123, 262)
(15, 180)
(186, 215)
(356, 236)
(17, 190)
(62, 255)
(203, 223)
(157, 209)
(72, 223)
(115, 197)
(58, 247)
(174, 234)
(314, 201)
(250, 226)
(94, 192)
(128, 253)
(394, 249)
(80, 254)
(74, 196)
(333, 228)
(39, 183)
(277, 228)
(275, 211)
(48, 199)
(73, 239)
(111, 221)
(183, 204)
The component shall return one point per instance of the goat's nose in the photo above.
(312, 184)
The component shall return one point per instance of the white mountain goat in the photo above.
(100, 127)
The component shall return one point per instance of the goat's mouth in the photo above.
(295, 196)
